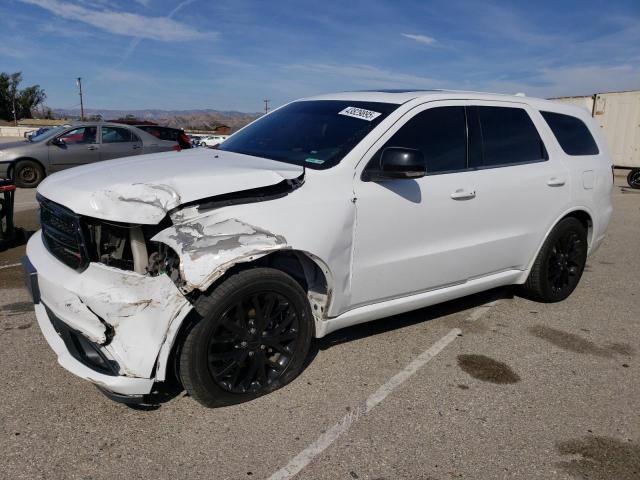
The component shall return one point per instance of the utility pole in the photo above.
(266, 105)
(15, 118)
(81, 104)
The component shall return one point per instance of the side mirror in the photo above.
(397, 163)
(58, 141)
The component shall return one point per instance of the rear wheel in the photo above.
(253, 338)
(28, 174)
(560, 263)
(633, 179)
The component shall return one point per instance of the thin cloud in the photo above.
(367, 75)
(6, 51)
(420, 38)
(112, 75)
(123, 23)
(137, 39)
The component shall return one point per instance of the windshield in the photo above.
(48, 134)
(316, 134)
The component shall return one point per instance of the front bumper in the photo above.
(112, 327)
(119, 384)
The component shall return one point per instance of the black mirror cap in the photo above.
(397, 163)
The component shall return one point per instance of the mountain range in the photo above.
(188, 119)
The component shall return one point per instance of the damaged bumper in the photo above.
(114, 328)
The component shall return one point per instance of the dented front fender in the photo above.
(209, 245)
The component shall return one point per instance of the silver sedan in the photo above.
(29, 161)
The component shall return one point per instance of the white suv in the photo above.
(213, 140)
(218, 269)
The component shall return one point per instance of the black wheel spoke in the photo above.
(274, 365)
(251, 373)
(262, 372)
(234, 328)
(254, 342)
(285, 323)
(277, 346)
(218, 356)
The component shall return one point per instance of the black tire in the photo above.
(559, 264)
(633, 178)
(28, 174)
(253, 338)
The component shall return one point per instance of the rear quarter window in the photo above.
(572, 134)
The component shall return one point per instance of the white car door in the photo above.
(520, 190)
(412, 235)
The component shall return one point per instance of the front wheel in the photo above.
(28, 174)
(559, 264)
(633, 179)
(253, 338)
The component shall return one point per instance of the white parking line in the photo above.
(300, 461)
(10, 266)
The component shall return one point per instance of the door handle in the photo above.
(136, 147)
(555, 182)
(92, 147)
(463, 194)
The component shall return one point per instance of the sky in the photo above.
(230, 55)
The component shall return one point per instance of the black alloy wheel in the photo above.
(253, 337)
(558, 267)
(565, 262)
(254, 342)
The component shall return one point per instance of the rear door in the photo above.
(77, 147)
(520, 189)
(119, 142)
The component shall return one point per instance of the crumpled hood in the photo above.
(142, 189)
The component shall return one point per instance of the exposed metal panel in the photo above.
(584, 102)
(618, 115)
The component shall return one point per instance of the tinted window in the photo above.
(572, 134)
(80, 135)
(316, 134)
(162, 133)
(440, 134)
(115, 135)
(508, 137)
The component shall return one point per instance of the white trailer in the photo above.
(618, 114)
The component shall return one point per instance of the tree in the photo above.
(15, 103)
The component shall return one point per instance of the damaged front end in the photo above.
(129, 286)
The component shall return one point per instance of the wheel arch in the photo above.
(308, 270)
(582, 214)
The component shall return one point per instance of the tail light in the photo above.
(177, 147)
(184, 139)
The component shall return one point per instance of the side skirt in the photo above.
(405, 304)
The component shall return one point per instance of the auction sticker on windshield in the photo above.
(360, 113)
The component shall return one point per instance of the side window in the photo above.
(80, 136)
(441, 135)
(572, 134)
(115, 135)
(508, 137)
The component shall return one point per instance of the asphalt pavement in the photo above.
(489, 386)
